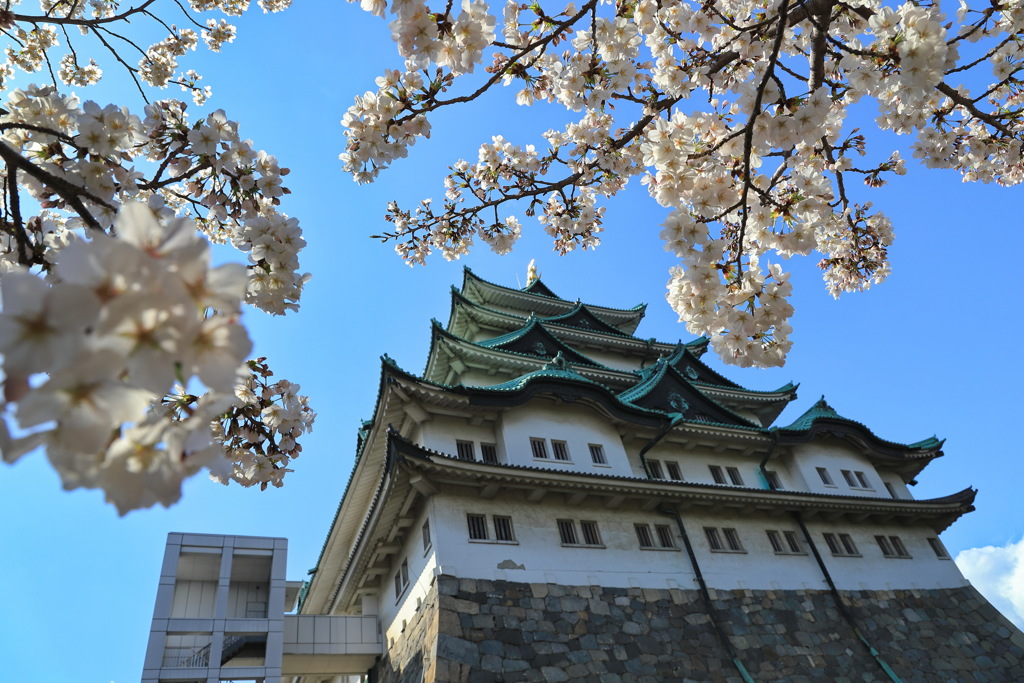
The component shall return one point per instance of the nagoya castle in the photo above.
(555, 498)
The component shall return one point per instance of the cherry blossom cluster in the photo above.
(123, 351)
(733, 113)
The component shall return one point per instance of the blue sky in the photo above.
(935, 350)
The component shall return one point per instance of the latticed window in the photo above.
(732, 539)
(539, 447)
(560, 449)
(793, 542)
(938, 548)
(477, 527)
(862, 479)
(591, 536)
(673, 471)
(892, 546)
(734, 476)
(567, 531)
(654, 467)
(841, 545)
(643, 535)
(665, 537)
(714, 538)
(489, 453)
(776, 540)
(773, 480)
(426, 534)
(717, 474)
(503, 529)
(597, 454)
(465, 450)
(848, 476)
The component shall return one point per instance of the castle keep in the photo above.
(558, 499)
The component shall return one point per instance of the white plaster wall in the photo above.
(612, 360)
(576, 424)
(441, 432)
(875, 571)
(693, 464)
(538, 556)
(394, 610)
(836, 456)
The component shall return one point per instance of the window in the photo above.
(891, 490)
(591, 536)
(728, 541)
(841, 545)
(402, 579)
(792, 542)
(716, 474)
(661, 538)
(673, 471)
(560, 449)
(938, 548)
(540, 449)
(848, 476)
(654, 468)
(465, 450)
(892, 546)
(826, 478)
(776, 540)
(773, 480)
(503, 529)
(883, 543)
(477, 527)
(734, 476)
(426, 535)
(597, 454)
(567, 531)
(489, 452)
(643, 534)
(862, 480)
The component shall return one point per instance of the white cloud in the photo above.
(998, 574)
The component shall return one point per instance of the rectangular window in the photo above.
(891, 490)
(591, 536)
(567, 531)
(540, 448)
(643, 535)
(732, 539)
(489, 453)
(402, 579)
(848, 544)
(714, 539)
(477, 527)
(665, 537)
(597, 454)
(405, 572)
(773, 480)
(793, 542)
(734, 476)
(826, 478)
(776, 540)
(399, 588)
(673, 471)
(716, 474)
(862, 480)
(848, 476)
(898, 547)
(938, 548)
(426, 534)
(833, 544)
(883, 544)
(654, 467)
(560, 449)
(465, 450)
(503, 529)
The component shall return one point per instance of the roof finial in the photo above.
(531, 273)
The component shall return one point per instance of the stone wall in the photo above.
(490, 631)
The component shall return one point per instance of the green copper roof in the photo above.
(558, 368)
(819, 410)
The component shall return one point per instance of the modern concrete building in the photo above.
(556, 498)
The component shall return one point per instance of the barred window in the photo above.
(714, 539)
(841, 545)
(833, 544)
(665, 537)
(654, 467)
(643, 535)
(597, 454)
(477, 527)
(540, 448)
(732, 539)
(591, 536)
(883, 543)
(717, 474)
(826, 478)
(673, 471)
(848, 476)
(465, 450)
(734, 476)
(426, 534)
(567, 531)
(773, 480)
(848, 544)
(862, 480)
(560, 449)
(489, 453)
(892, 546)
(938, 548)
(503, 529)
(793, 542)
(776, 540)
